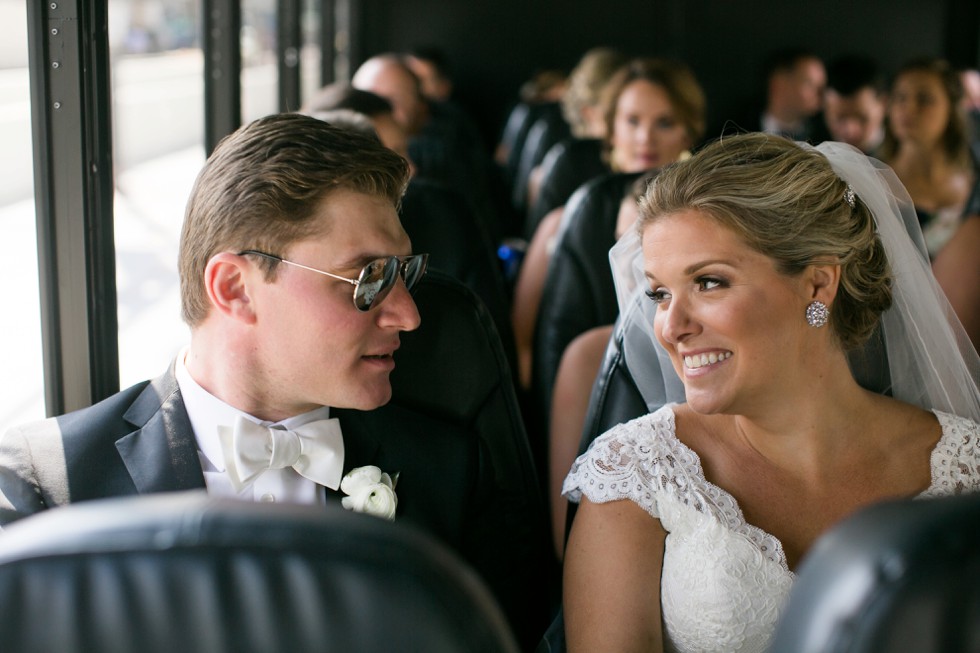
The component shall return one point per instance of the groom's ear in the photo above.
(227, 281)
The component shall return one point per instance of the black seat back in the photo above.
(899, 576)
(439, 221)
(547, 130)
(567, 165)
(182, 572)
(519, 122)
(453, 369)
(615, 399)
(578, 292)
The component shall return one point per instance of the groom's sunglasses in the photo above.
(376, 279)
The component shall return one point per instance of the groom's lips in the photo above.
(388, 351)
(385, 358)
(384, 361)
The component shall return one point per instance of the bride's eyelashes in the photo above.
(705, 283)
(658, 296)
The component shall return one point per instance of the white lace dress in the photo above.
(724, 581)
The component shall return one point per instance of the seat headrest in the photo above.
(185, 572)
(901, 575)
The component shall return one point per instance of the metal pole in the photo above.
(221, 25)
(288, 45)
(72, 135)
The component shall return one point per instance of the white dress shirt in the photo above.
(207, 413)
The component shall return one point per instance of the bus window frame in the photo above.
(68, 57)
(220, 40)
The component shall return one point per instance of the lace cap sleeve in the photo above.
(956, 458)
(639, 460)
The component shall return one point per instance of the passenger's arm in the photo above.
(612, 579)
(20, 492)
(570, 404)
(527, 293)
(957, 268)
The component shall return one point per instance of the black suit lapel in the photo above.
(436, 462)
(361, 443)
(161, 454)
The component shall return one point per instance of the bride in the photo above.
(766, 262)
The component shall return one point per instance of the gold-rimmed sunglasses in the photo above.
(376, 279)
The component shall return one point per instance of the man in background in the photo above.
(855, 103)
(795, 80)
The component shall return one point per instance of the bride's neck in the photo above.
(808, 428)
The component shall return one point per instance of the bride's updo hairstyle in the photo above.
(786, 202)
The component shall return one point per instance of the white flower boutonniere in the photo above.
(370, 491)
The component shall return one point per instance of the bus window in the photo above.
(158, 136)
(260, 94)
(260, 74)
(22, 383)
(310, 59)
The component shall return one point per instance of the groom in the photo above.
(295, 275)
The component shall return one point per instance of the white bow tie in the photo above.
(315, 450)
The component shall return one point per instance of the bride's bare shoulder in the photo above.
(903, 422)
